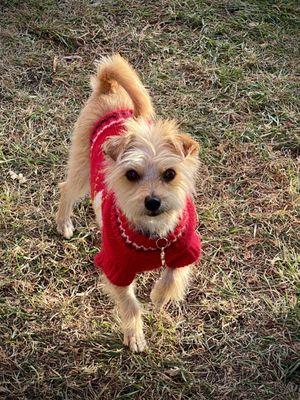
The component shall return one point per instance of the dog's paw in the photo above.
(65, 228)
(135, 341)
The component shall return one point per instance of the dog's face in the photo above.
(151, 169)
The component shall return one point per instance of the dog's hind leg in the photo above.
(172, 285)
(76, 185)
(130, 313)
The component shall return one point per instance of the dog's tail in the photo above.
(116, 70)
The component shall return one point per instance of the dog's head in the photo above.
(151, 168)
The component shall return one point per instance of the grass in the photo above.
(227, 70)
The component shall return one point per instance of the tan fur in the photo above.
(130, 314)
(148, 148)
(114, 70)
(151, 149)
(172, 285)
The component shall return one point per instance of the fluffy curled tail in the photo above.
(116, 70)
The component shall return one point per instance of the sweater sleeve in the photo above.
(117, 276)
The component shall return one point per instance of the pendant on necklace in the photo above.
(161, 244)
(163, 257)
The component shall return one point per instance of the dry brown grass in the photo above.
(228, 71)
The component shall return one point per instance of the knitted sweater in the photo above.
(124, 251)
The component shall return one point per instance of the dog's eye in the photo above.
(169, 175)
(132, 175)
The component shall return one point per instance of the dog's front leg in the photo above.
(130, 313)
(172, 285)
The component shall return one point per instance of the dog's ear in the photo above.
(184, 145)
(114, 146)
(189, 145)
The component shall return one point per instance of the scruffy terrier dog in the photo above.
(140, 172)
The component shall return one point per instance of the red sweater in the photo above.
(124, 251)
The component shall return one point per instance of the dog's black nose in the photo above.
(152, 203)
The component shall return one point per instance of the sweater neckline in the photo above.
(142, 242)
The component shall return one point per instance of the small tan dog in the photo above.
(141, 173)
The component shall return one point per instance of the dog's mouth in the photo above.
(154, 213)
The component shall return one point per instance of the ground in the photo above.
(227, 70)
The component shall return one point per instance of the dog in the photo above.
(140, 171)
